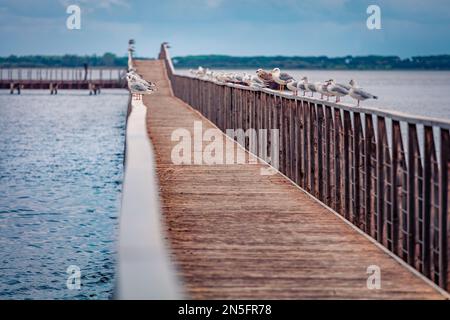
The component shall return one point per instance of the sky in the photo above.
(232, 27)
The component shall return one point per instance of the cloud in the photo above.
(213, 3)
(91, 6)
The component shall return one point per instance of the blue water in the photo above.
(60, 186)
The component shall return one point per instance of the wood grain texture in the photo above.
(237, 234)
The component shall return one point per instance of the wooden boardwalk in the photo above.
(235, 233)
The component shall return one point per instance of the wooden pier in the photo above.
(235, 233)
(62, 78)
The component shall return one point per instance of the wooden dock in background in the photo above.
(235, 233)
(62, 78)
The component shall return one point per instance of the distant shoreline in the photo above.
(371, 62)
(438, 62)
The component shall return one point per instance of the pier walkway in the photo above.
(237, 234)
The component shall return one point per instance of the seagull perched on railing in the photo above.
(309, 87)
(281, 77)
(139, 86)
(322, 89)
(253, 81)
(293, 86)
(337, 89)
(359, 94)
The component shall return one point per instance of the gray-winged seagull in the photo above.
(358, 93)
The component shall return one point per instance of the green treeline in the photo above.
(440, 62)
(106, 60)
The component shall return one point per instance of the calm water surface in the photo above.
(60, 184)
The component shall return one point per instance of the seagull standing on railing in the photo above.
(139, 86)
(253, 81)
(322, 89)
(359, 94)
(201, 72)
(293, 86)
(301, 86)
(264, 75)
(337, 89)
(281, 77)
(309, 87)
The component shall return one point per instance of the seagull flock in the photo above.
(276, 79)
(137, 85)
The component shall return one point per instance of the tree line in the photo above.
(33, 61)
(373, 62)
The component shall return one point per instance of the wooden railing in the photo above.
(385, 172)
(61, 74)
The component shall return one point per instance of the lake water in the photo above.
(425, 93)
(60, 186)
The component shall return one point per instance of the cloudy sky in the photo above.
(235, 27)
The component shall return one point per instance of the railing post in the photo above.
(346, 166)
(444, 212)
(313, 149)
(427, 183)
(337, 160)
(320, 151)
(329, 197)
(358, 214)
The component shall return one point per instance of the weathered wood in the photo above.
(366, 177)
(358, 140)
(444, 213)
(235, 233)
(414, 199)
(427, 189)
(337, 161)
(345, 186)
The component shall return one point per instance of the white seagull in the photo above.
(293, 86)
(338, 90)
(309, 87)
(359, 94)
(281, 77)
(322, 89)
(139, 86)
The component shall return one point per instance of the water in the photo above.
(60, 184)
(423, 93)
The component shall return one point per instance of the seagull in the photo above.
(309, 87)
(264, 75)
(293, 86)
(200, 72)
(301, 85)
(267, 78)
(281, 77)
(253, 81)
(359, 94)
(336, 89)
(139, 86)
(322, 89)
(133, 76)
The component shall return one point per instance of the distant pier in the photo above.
(54, 79)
